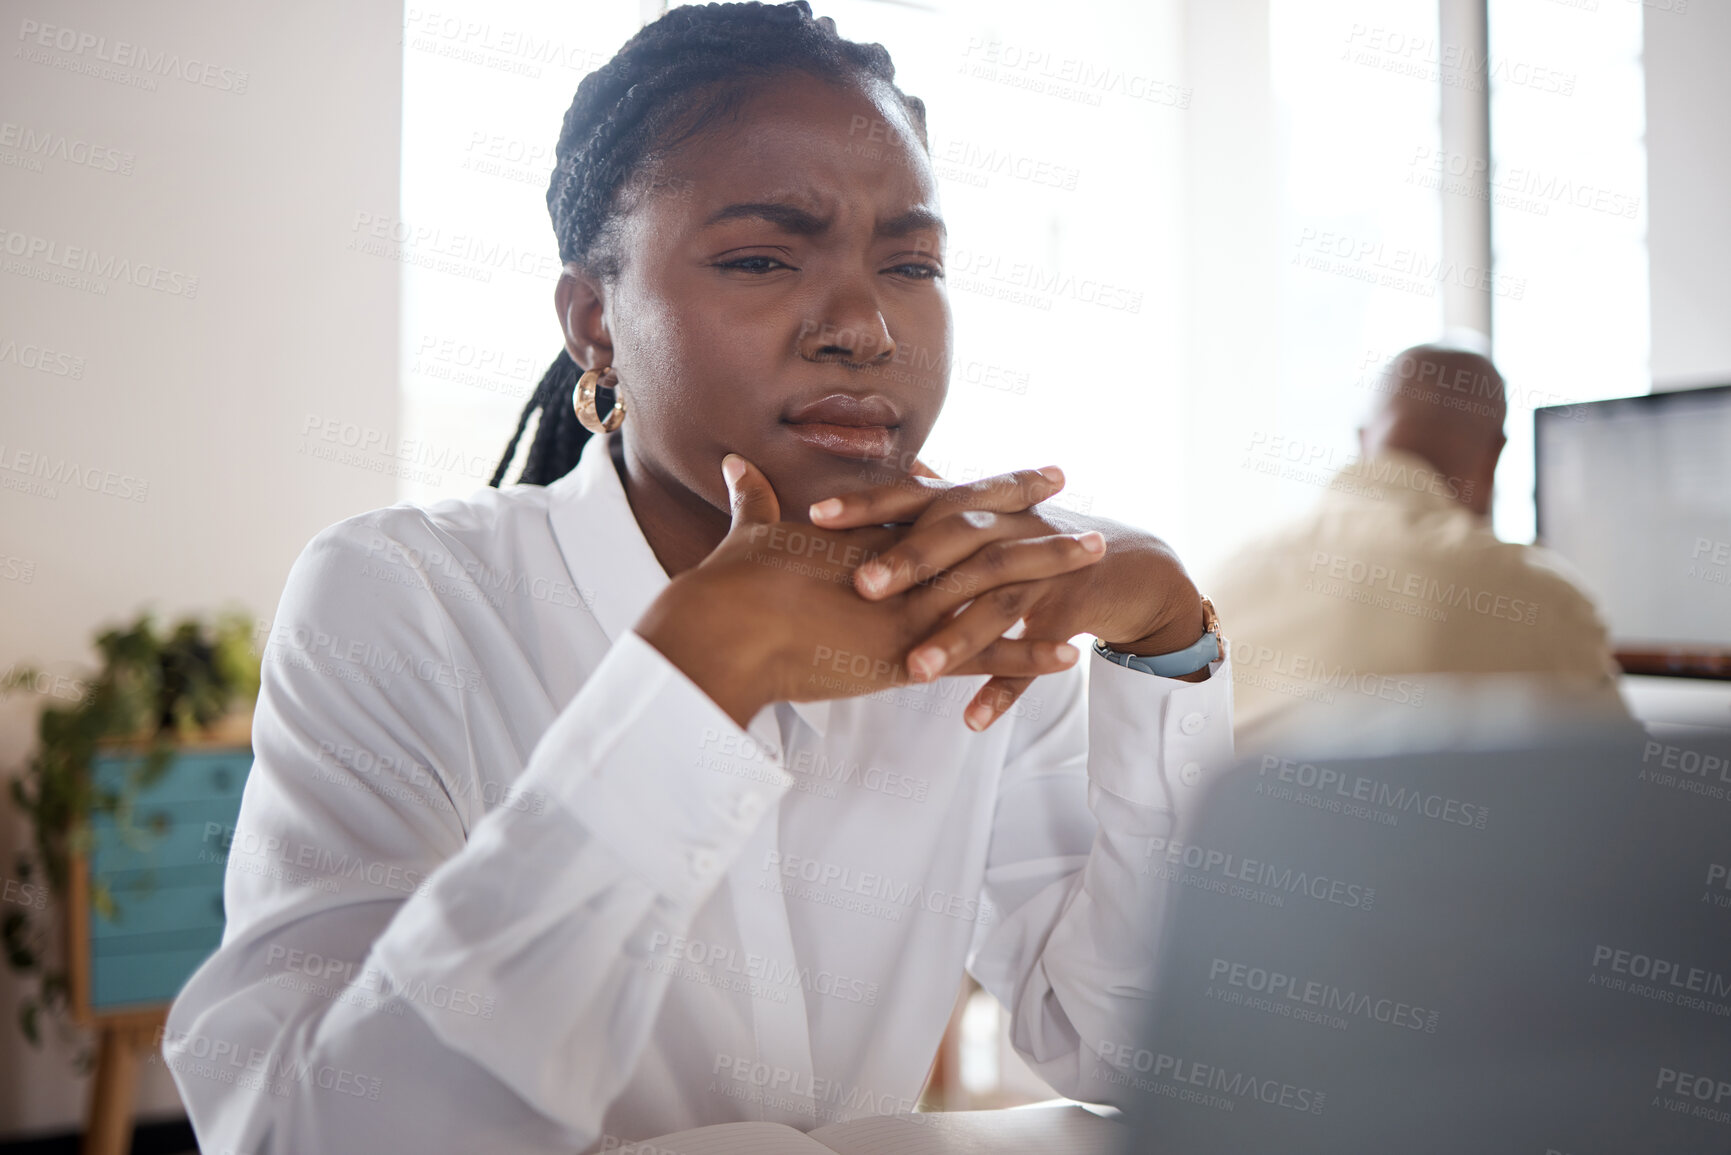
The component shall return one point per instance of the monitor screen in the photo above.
(1636, 493)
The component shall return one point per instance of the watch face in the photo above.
(1211, 623)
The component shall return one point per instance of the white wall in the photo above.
(1688, 187)
(182, 411)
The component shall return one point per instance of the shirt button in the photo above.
(748, 807)
(1190, 773)
(1192, 723)
(704, 863)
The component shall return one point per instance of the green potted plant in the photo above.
(154, 691)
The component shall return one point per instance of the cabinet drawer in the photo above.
(147, 976)
(195, 831)
(191, 775)
(142, 908)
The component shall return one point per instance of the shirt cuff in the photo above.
(1154, 741)
(653, 768)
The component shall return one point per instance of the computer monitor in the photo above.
(1636, 493)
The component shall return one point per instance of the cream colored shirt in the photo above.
(1389, 582)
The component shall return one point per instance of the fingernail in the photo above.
(1066, 653)
(733, 468)
(926, 663)
(1093, 541)
(829, 507)
(1053, 474)
(978, 716)
(873, 576)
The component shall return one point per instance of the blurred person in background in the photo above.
(1396, 578)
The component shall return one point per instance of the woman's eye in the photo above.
(753, 264)
(920, 272)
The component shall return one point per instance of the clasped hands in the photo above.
(911, 581)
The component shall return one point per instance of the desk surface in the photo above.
(1677, 701)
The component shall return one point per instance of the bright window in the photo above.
(1568, 218)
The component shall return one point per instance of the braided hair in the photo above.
(681, 72)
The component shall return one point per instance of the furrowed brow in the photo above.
(785, 217)
(913, 221)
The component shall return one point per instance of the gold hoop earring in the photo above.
(584, 400)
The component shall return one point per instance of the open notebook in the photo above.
(1041, 1129)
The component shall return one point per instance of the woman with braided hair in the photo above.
(682, 781)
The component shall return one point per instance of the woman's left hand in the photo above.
(1136, 599)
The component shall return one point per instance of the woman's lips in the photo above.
(859, 442)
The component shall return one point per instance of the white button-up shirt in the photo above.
(504, 879)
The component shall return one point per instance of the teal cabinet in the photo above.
(163, 872)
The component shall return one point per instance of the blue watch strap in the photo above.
(1176, 664)
(1199, 654)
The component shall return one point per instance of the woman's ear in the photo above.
(578, 299)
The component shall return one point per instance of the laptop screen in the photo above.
(1519, 949)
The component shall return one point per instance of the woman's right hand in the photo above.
(772, 614)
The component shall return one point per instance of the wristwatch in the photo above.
(1205, 650)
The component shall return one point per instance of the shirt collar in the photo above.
(1394, 477)
(608, 556)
